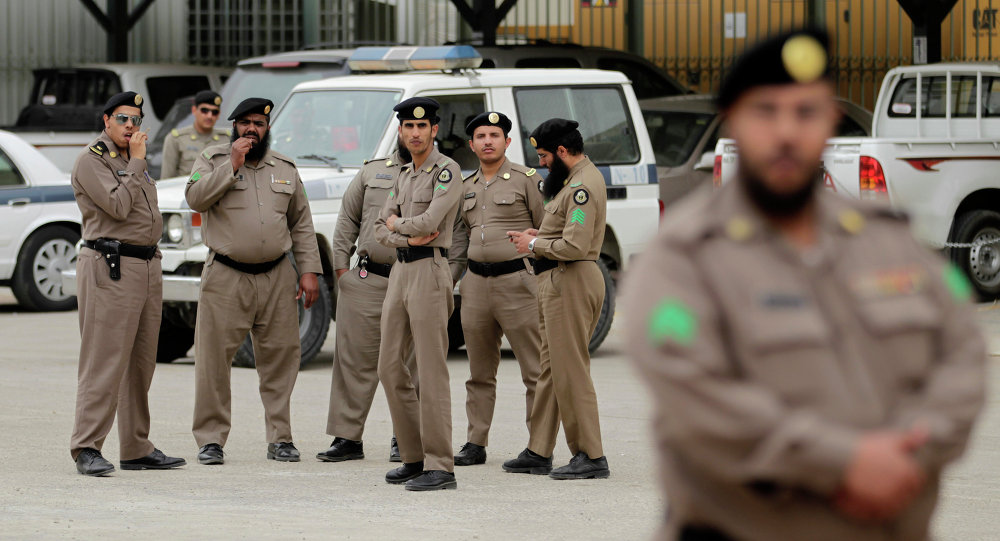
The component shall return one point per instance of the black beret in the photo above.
(795, 57)
(250, 106)
(489, 118)
(417, 109)
(209, 97)
(552, 131)
(123, 98)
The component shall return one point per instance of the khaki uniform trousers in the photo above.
(232, 303)
(355, 356)
(119, 326)
(569, 301)
(492, 307)
(417, 307)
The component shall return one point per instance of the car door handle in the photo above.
(19, 202)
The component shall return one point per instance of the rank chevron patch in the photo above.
(578, 216)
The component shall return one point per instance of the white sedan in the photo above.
(39, 226)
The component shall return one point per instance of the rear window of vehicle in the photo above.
(76, 87)
(9, 175)
(165, 90)
(647, 82)
(675, 134)
(608, 133)
(934, 97)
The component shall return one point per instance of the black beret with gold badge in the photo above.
(207, 96)
(251, 106)
(489, 118)
(418, 108)
(130, 99)
(552, 131)
(800, 56)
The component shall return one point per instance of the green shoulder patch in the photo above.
(206, 155)
(672, 320)
(175, 133)
(575, 184)
(195, 177)
(578, 216)
(530, 172)
(956, 282)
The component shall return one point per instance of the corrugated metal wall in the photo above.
(47, 33)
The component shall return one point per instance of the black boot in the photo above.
(404, 473)
(583, 467)
(470, 455)
(529, 462)
(342, 449)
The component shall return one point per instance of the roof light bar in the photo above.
(414, 58)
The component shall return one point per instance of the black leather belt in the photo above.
(497, 269)
(367, 266)
(414, 253)
(249, 268)
(128, 250)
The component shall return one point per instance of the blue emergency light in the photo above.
(414, 58)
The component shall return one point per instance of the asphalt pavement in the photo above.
(42, 496)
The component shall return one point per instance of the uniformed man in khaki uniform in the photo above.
(417, 221)
(360, 295)
(120, 292)
(182, 147)
(499, 292)
(570, 295)
(813, 369)
(254, 211)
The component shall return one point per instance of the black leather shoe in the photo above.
(341, 450)
(282, 452)
(211, 454)
(404, 473)
(153, 461)
(583, 467)
(394, 451)
(471, 454)
(529, 462)
(433, 480)
(90, 462)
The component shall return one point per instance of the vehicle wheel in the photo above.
(37, 280)
(176, 338)
(980, 264)
(607, 310)
(456, 336)
(314, 324)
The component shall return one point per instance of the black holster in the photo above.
(112, 256)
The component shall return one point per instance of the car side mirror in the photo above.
(706, 162)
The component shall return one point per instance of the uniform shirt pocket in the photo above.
(469, 204)
(236, 197)
(904, 329)
(421, 200)
(282, 195)
(504, 198)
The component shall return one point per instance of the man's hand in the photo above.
(239, 152)
(390, 222)
(137, 145)
(421, 241)
(308, 286)
(340, 272)
(521, 239)
(882, 478)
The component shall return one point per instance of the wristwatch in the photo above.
(531, 245)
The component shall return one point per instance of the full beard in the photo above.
(556, 179)
(777, 205)
(257, 151)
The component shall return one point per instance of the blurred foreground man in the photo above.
(813, 369)
(255, 211)
(120, 293)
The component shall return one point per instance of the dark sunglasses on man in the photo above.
(207, 111)
(122, 118)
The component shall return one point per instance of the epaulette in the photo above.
(525, 170)
(99, 148)
(215, 150)
(471, 177)
(175, 133)
(282, 157)
(373, 160)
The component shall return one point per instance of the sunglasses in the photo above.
(207, 111)
(122, 118)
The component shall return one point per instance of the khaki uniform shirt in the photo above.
(363, 200)
(510, 201)
(116, 196)
(767, 364)
(182, 147)
(574, 222)
(257, 214)
(426, 200)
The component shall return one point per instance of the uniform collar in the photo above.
(584, 162)
(503, 173)
(432, 159)
(106, 139)
(267, 159)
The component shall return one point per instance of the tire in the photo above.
(982, 264)
(607, 310)
(37, 280)
(176, 338)
(456, 336)
(314, 324)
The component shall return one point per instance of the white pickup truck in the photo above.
(330, 127)
(934, 148)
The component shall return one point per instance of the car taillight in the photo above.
(195, 219)
(872, 180)
(717, 171)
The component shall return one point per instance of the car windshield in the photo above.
(328, 127)
(675, 134)
(273, 84)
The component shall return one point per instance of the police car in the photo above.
(39, 226)
(330, 127)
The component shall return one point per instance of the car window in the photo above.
(646, 81)
(76, 87)
(608, 134)
(991, 96)
(333, 126)
(675, 134)
(164, 91)
(850, 128)
(456, 111)
(934, 97)
(9, 175)
(272, 83)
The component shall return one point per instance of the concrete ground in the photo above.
(42, 496)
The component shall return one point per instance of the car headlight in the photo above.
(174, 228)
